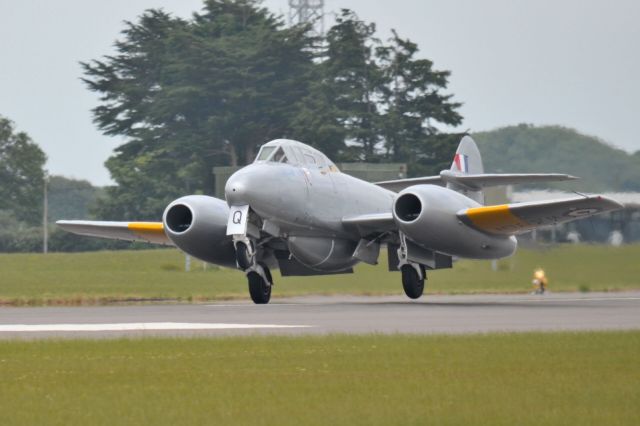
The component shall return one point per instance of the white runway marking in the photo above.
(142, 326)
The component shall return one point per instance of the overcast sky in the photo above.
(569, 62)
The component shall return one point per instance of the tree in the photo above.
(21, 174)
(554, 149)
(190, 95)
(16, 236)
(386, 100)
(356, 81)
(413, 102)
(318, 120)
(70, 198)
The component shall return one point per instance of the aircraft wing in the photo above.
(367, 224)
(400, 184)
(488, 179)
(475, 181)
(512, 219)
(149, 232)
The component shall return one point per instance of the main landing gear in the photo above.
(413, 274)
(413, 277)
(258, 274)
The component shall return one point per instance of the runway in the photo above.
(433, 314)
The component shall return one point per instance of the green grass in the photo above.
(497, 379)
(159, 274)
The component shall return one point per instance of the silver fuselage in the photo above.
(307, 201)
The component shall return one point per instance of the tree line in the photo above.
(192, 94)
(600, 166)
(22, 186)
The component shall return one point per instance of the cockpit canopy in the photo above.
(267, 154)
(293, 152)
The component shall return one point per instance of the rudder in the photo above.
(467, 159)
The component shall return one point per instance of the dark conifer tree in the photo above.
(21, 175)
(190, 95)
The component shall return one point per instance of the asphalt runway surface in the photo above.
(340, 314)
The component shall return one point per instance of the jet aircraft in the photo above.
(292, 209)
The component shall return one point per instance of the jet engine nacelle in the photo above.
(323, 253)
(426, 214)
(197, 224)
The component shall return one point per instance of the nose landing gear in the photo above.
(260, 285)
(258, 274)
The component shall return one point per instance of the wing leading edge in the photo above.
(475, 181)
(513, 219)
(149, 232)
(367, 224)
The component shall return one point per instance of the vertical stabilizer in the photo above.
(467, 161)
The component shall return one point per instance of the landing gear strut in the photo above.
(413, 274)
(258, 274)
(244, 254)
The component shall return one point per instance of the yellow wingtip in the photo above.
(495, 219)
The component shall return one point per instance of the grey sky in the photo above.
(568, 62)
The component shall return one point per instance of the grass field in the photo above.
(499, 379)
(99, 277)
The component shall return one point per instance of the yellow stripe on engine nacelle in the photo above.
(496, 219)
(152, 232)
(146, 227)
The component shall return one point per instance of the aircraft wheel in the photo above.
(259, 289)
(411, 282)
(243, 258)
(267, 272)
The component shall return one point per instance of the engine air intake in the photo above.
(179, 218)
(408, 207)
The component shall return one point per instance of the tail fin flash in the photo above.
(467, 159)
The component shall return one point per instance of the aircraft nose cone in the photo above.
(236, 190)
(246, 186)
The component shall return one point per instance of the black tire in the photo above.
(267, 272)
(259, 289)
(411, 282)
(242, 256)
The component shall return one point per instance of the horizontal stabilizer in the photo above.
(475, 182)
(512, 219)
(400, 184)
(149, 232)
